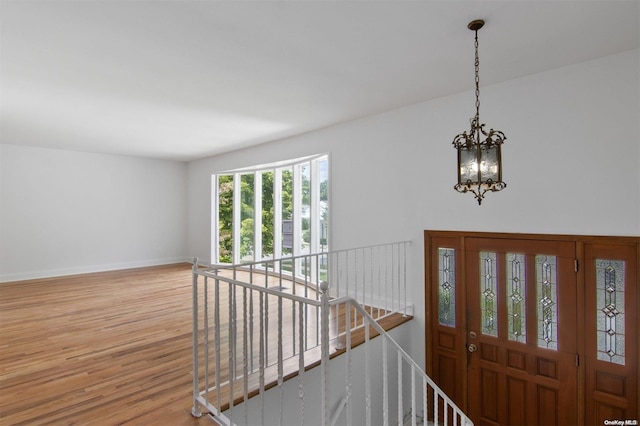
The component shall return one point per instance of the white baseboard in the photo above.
(50, 273)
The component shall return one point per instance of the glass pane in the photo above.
(287, 211)
(610, 287)
(468, 164)
(225, 219)
(516, 291)
(489, 163)
(547, 300)
(305, 212)
(488, 294)
(267, 214)
(246, 217)
(447, 287)
(248, 204)
(323, 177)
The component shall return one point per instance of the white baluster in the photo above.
(293, 311)
(367, 378)
(205, 303)
(413, 396)
(385, 384)
(280, 360)
(355, 277)
(216, 336)
(251, 326)
(445, 406)
(301, 365)
(380, 280)
(262, 357)
(232, 344)
(245, 356)
(404, 277)
(195, 410)
(324, 353)
(425, 390)
(400, 409)
(349, 372)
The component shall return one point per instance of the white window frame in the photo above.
(314, 206)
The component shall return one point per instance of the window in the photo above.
(270, 211)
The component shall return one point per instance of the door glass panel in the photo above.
(547, 300)
(516, 289)
(447, 287)
(489, 293)
(610, 310)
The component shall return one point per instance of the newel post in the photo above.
(324, 348)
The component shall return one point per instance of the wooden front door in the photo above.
(521, 338)
(534, 329)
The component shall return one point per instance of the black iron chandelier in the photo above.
(479, 160)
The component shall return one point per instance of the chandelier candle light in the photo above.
(479, 161)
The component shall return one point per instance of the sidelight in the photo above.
(610, 288)
(447, 287)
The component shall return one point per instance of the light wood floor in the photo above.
(103, 349)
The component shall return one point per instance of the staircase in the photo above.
(261, 329)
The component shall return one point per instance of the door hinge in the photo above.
(575, 263)
(577, 360)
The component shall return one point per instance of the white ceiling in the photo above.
(180, 79)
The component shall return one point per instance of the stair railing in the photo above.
(256, 326)
(426, 401)
(374, 275)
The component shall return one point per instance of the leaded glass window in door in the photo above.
(610, 296)
(547, 301)
(516, 292)
(488, 294)
(447, 287)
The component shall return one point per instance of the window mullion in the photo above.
(215, 222)
(257, 216)
(277, 213)
(314, 209)
(237, 215)
(297, 210)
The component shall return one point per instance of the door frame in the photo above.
(456, 239)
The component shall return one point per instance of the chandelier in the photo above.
(479, 159)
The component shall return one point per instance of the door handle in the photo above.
(472, 348)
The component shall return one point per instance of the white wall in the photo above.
(572, 165)
(66, 212)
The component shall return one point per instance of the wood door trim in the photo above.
(528, 236)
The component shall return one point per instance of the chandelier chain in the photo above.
(477, 70)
